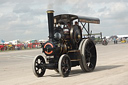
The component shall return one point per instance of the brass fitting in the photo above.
(50, 11)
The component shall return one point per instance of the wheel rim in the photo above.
(38, 66)
(64, 65)
(81, 62)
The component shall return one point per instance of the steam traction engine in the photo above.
(66, 48)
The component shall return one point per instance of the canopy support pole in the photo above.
(88, 29)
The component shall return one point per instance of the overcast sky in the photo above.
(27, 19)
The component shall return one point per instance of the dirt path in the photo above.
(111, 69)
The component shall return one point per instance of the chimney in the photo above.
(50, 24)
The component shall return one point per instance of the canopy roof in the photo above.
(70, 17)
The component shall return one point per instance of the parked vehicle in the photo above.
(33, 44)
(1, 47)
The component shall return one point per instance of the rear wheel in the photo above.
(64, 65)
(38, 66)
(89, 55)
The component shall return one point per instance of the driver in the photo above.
(76, 24)
(69, 25)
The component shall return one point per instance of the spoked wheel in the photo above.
(64, 65)
(38, 66)
(89, 55)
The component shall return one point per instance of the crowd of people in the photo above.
(19, 46)
(122, 40)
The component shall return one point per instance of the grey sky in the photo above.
(27, 19)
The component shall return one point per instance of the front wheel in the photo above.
(64, 65)
(38, 66)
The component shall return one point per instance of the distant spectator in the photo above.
(25, 45)
(115, 40)
(127, 40)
